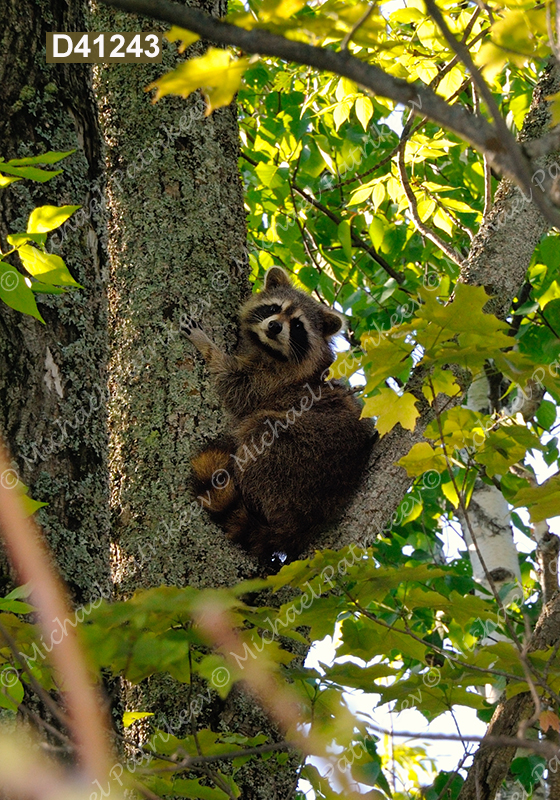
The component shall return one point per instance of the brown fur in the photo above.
(298, 445)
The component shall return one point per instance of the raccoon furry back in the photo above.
(298, 446)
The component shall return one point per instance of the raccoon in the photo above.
(297, 446)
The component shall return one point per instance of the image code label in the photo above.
(104, 48)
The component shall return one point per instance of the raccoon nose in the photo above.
(274, 328)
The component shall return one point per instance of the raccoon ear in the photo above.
(274, 278)
(332, 322)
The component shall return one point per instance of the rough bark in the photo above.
(177, 240)
(491, 764)
(499, 258)
(516, 227)
(504, 245)
(52, 377)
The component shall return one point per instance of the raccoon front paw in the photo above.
(192, 329)
(189, 325)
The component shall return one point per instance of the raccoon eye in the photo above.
(273, 309)
(297, 324)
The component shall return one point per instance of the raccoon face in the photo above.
(280, 328)
(287, 324)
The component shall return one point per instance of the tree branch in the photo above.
(474, 130)
(357, 241)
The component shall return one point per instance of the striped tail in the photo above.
(213, 478)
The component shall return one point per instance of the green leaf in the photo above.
(546, 415)
(33, 173)
(30, 506)
(51, 157)
(550, 250)
(15, 292)
(47, 218)
(11, 689)
(16, 606)
(506, 446)
(377, 230)
(20, 591)
(345, 238)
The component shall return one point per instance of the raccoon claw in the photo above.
(189, 325)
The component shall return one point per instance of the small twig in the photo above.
(191, 761)
(356, 240)
(39, 721)
(508, 141)
(452, 775)
(446, 248)
(546, 749)
(145, 791)
(53, 707)
(350, 35)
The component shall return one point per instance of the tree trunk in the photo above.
(177, 241)
(53, 376)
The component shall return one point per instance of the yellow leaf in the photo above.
(387, 358)
(442, 221)
(341, 113)
(390, 409)
(460, 428)
(364, 110)
(492, 61)
(48, 268)
(217, 73)
(131, 716)
(543, 501)
(554, 107)
(271, 10)
(450, 83)
(442, 382)
(426, 208)
(176, 34)
(426, 70)
(450, 492)
(378, 195)
(344, 366)
(552, 293)
(344, 88)
(421, 458)
(47, 218)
